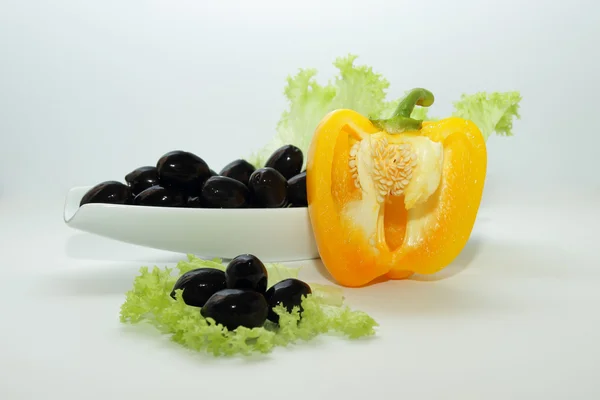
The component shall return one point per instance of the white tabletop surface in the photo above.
(516, 316)
(91, 90)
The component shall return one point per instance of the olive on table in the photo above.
(158, 196)
(199, 284)
(182, 170)
(141, 179)
(224, 192)
(297, 190)
(289, 293)
(246, 271)
(236, 307)
(287, 160)
(111, 192)
(268, 188)
(239, 170)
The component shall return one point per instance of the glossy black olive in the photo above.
(158, 196)
(194, 202)
(287, 160)
(224, 192)
(141, 179)
(289, 293)
(236, 307)
(268, 188)
(246, 271)
(297, 190)
(239, 170)
(182, 170)
(111, 192)
(199, 284)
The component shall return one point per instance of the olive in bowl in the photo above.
(182, 170)
(224, 192)
(297, 190)
(158, 196)
(239, 170)
(110, 192)
(287, 160)
(141, 179)
(268, 188)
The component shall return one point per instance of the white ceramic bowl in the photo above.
(272, 235)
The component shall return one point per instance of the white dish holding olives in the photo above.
(182, 205)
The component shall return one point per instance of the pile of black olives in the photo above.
(239, 296)
(182, 179)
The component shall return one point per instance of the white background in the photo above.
(91, 90)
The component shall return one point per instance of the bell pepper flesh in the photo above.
(453, 210)
(424, 238)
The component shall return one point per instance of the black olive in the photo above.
(158, 196)
(194, 202)
(212, 173)
(182, 170)
(224, 192)
(239, 170)
(199, 284)
(141, 179)
(246, 271)
(287, 160)
(236, 307)
(268, 188)
(297, 190)
(111, 192)
(289, 293)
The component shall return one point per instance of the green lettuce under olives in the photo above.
(323, 312)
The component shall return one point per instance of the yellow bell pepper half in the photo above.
(389, 198)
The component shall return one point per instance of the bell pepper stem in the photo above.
(400, 121)
(416, 97)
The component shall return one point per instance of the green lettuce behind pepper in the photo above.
(360, 88)
(491, 112)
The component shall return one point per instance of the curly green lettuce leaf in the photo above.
(323, 312)
(278, 272)
(194, 262)
(356, 87)
(491, 112)
(327, 294)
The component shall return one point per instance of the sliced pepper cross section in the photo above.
(393, 197)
